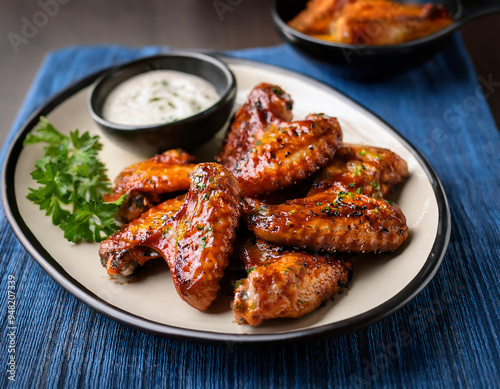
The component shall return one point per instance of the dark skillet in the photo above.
(364, 60)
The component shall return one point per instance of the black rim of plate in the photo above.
(50, 265)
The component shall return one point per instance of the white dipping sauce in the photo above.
(158, 96)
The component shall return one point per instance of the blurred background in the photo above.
(178, 23)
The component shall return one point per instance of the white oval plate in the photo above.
(380, 285)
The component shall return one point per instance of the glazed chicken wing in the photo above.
(205, 233)
(266, 152)
(372, 171)
(267, 161)
(329, 221)
(266, 104)
(287, 153)
(194, 234)
(146, 182)
(283, 283)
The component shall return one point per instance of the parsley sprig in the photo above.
(71, 181)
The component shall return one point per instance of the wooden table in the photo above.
(181, 24)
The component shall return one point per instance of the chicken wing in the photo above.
(146, 182)
(194, 234)
(252, 251)
(287, 153)
(283, 283)
(205, 233)
(266, 152)
(342, 221)
(266, 104)
(369, 22)
(372, 171)
(142, 239)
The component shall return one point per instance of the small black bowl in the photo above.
(383, 60)
(187, 133)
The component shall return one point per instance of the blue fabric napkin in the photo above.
(453, 324)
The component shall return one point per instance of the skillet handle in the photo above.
(472, 9)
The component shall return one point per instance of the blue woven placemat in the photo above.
(447, 336)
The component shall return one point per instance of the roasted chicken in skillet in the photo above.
(145, 183)
(195, 235)
(380, 22)
(369, 22)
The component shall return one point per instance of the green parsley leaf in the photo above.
(45, 133)
(91, 221)
(71, 181)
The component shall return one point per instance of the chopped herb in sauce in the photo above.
(136, 101)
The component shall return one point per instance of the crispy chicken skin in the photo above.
(205, 233)
(283, 283)
(145, 182)
(386, 22)
(194, 234)
(372, 171)
(342, 221)
(140, 240)
(288, 153)
(266, 152)
(265, 105)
